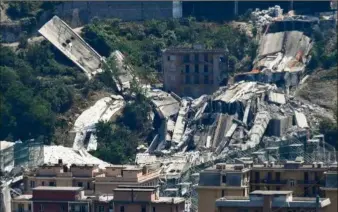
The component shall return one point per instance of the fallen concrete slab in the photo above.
(301, 120)
(72, 46)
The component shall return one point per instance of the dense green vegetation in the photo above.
(118, 141)
(142, 43)
(28, 9)
(324, 52)
(36, 85)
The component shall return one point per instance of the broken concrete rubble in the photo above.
(103, 110)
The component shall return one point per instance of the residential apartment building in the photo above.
(93, 179)
(304, 180)
(73, 199)
(193, 71)
(53, 199)
(267, 201)
(146, 199)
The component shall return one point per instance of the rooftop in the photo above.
(50, 188)
(276, 202)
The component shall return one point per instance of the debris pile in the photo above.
(265, 17)
(84, 126)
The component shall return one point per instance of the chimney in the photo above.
(265, 163)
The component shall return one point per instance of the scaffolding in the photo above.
(29, 153)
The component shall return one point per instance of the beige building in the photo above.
(222, 180)
(91, 178)
(125, 199)
(267, 201)
(144, 199)
(193, 71)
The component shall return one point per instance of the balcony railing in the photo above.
(312, 182)
(266, 181)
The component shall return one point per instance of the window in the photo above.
(256, 177)
(196, 58)
(206, 68)
(52, 184)
(206, 79)
(278, 176)
(196, 80)
(143, 209)
(187, 68)
(32, 184)
(79, 184)
(154, 209)
(187, 79)
(168, 58)
(21, 208)
(223, 193)
(314, 191)
(63, 208)
(206, 57)
(196, 68)
(224, 179)
(306, 177)
(292, 183)
(43, 183)
(269, 176)
(268, 188)
(257, 188)
(277, 188)
(186, 58)
(29, 207)
(42, 208)
(88, 185)
(101, 208)
(121, 208)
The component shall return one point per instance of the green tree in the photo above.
(116, 143)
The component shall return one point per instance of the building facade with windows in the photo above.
(304, 180)
(267, 201)
(73, 199)
(193, 71)
(94, 180)
(145, 199)
(48, 199)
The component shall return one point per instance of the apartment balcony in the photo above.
(266, 181)
(311, 182)
(64, 174)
